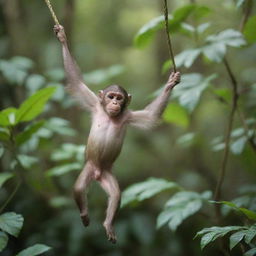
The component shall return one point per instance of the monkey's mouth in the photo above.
(114, 111)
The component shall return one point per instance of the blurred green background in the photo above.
(124, 42)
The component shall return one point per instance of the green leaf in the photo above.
(147, 32)
(187, 57)
(251, 252)
(59, 126)
(34, 250)
(3, 240)
(237, 146)
(216, 44)
(4, 177)
(236, 238)
(34, 82)
(211, 234)
(63, 169)
(8, 116)
(190, 89)
(239, 3)
(101, 76)
(249, 30)
(145, 190)
(68, 151)
(29, 132)
(250, 234)
(12, 73)
(176, 114)
(249, 214)
(22, 62)
(34, 105)
(1, 147)
(186, 140)
(179, 207)
(4, 134)
(11, 223)
(224, 94)
(27, 161)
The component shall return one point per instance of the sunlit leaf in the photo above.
(190, 89)
(34, 105)
(176, 114)
(146, 189)
(179, 207)
(202, 27)
(4, 177)
(249, 30)
(34, 250)
(11, 223)
(63, 169)
(3, 240)
(8, 116)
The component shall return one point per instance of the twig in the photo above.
(247, 12)
(11, 196)
(222, 172)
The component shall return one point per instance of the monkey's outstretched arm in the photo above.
(148, 117)
(76, 86)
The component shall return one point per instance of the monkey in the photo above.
(109, 119)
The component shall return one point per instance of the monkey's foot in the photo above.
(85, 219)
(110, 233)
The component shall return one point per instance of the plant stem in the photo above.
(246, 14)
(223, 168)
(11, 196)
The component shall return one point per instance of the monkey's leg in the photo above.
(110, 185)
(80, 188)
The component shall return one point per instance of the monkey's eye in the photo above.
(119, 97)
(111, 97)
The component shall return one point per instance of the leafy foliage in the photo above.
(176, 114)
(190, 89)
(11, 223)
(239, 138)
(182, 205)
(4, 177)
(249, 30)
(147, 32)
(146, 189)
(34, 250)
(209, 235)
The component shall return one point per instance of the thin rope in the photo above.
(168, 35)
(52, 12)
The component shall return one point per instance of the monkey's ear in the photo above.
(129, 99)
(101, 94)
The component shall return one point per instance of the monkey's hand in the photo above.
(173, 80)
(60, 33)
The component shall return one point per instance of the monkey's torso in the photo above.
(105, 139)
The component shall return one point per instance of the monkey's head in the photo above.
(114, 100)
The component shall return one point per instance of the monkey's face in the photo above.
(114, 103)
